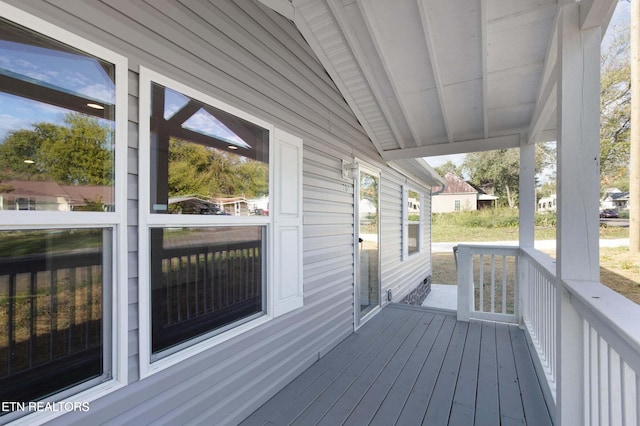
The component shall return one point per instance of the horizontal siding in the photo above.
(401, 276)
(252, 58)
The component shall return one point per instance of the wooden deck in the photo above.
(410, 365)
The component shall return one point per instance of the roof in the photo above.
(456, 185)
(617, 196)
(35, 188)
(429, 77)
(74, 194)
(77, 194)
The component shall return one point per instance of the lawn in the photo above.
(619, 270)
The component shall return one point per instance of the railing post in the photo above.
(522, 287)
(578, 110)
(465, 283)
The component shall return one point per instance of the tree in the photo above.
(447, 167)
(76, 153)
(615, 109)
(634, 178)
(198, 170)
(501, 169)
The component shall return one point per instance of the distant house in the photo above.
(615, 199)
(46, 195)
(547, 204)
(460, 195)
(258, 206)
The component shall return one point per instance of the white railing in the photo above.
(510, 284)
(488, 283)
(611, 362)
(538, 299)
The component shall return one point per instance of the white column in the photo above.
(578, 192)
(527, 192)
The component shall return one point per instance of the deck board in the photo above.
(487, 403)
(440, 405)
(415, 366)
(464, 399)
(395, 399)
(511, 411)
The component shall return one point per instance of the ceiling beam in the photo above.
(283, 7)
(341, 17)
(374, 30)
(307, 11)
(595, 13)
(461, 147)
(485, 82)
(435, 67)
(546, 99)
(522, 17)
(56, 96)
(545, 106)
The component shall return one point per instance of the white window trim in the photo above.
(148, 220)
(405, 221)
(116, 220)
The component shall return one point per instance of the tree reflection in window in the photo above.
(205, 160)
(57, 130)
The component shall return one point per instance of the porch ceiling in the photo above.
(429, 77)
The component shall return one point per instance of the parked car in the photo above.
(609, 213)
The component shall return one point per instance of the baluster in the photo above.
(481, 308)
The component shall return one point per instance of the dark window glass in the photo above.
(57, 126)
(205, 160)
(51, 310)
(202, 280)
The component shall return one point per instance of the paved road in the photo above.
(624, 223)
(540, 245)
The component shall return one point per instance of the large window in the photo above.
(204, 161)
(61, 222)
(214, 231)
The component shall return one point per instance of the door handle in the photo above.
(360, 240)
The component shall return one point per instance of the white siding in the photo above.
(252, 58)
(401, 276)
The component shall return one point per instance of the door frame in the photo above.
(358, 321)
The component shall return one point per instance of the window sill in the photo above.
(148, 369)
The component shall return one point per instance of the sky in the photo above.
(77, 74)
(621, 16)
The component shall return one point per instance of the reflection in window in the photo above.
(413, 239)
(51, 310)
(205, 160)
(56, 136)
(203, 280)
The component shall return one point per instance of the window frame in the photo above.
(115, 316)
(406, 222)
(148, 220)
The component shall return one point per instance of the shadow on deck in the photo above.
(410, 365)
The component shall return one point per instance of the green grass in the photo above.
(499, 225)
(22, 243)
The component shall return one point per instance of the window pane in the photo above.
(51, 310)
(414, 237)
(57, 127)
(414, 206)
(203, 279)
(205, 160)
